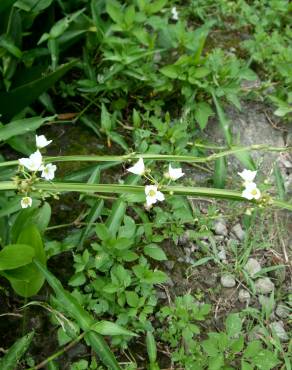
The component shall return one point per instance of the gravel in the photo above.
(252, 267)
(264, 285)
(238, 232)
(228, 281)
(220, 227)
(278, 328)
(243, 296)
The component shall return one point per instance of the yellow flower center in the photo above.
(254, 192)
(152, 193)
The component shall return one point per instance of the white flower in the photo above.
(33, 162)
(138, 168)
(174, 14)
(247, 176)
(174, 173)
(26, 202)
(48, 171)
(41, 141)
(153, 195)
(251, 192)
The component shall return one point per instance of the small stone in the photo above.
(264, 286)
(211, 279)
(243, 296)
(282, 311)
(252, 267)
(228, 281)
(222, 255)
(161, 295)
(220, 227)
(278, 328)
(238, 232)
(180, 259)
(169, 265)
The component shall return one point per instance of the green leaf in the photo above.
(266, 360)
(40, 217)
(233, 325)
(16, 100)
(110, 328)
(31, 236)
(106, 122)
(224, 122)
(5, 4)
(77, 279)
(151, 347)
(15, 352)
(132, 298)
(22, 126)
(246, 160)
(15, 255)
(156, 6)
(220, 173)
(114, 10)
(202, 113)
(279, 182)
(171, 71)
(102, 232)
(155, 252)
(82, 317)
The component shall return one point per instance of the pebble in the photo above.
(169, 265)
(252, 267)
(220, 227)
(282, 311)
(238, 232)
(267, 303)
(243, 296)
(228, 281)
(278, 328)
(264, 285)
(211, 279)
(222, 254)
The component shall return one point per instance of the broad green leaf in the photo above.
(10, 360)
(106, 122)
(156, 6)
(155, 252)
(110, 328)
(202, 113)
(114, 10)
(38, 216)
(246, 160)
(16, 100)
(35, 6)
(233, 325)
(31, 236)
(171, 71)
(22, 126)
(102, 232)
(132, 298)
(5, 4)
(15, 255)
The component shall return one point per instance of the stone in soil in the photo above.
(169, 265)
(238, 232)
(282, 311)
(264, 285)
(228, 281)
(252, 267)
(243, 296)
(220, 227)
(278, 328)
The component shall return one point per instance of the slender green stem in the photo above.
(158, 157)
(138, 189)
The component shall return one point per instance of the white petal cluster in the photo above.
(174, 13)
(151, 191)
(174, 173)
(34, 163)
(153, 195)
(251, 191)
(138, 168)
(26, 202)
(41, 141)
